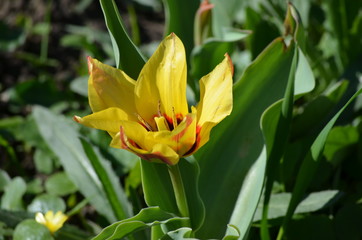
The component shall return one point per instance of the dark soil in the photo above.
(63, 12)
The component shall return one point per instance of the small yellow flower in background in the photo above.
(150, 117)
(51, 221)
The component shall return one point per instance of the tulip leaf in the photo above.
(276, 124)
(157, 186)
(238, 142)
(64, 141)
(339, 139)
(310, 163)
(110, 182)
(313, 202)
(190, 172)
(159, 191)
(223, 15)
(128, 57)
(146, 218)
(205, 57)
(178, 234)
(232, 233)
(180, 17)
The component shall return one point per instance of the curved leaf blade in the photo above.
(146, 218)
(124, 49)
(63, 140)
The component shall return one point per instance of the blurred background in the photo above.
(43, 49)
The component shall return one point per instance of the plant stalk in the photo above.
(179, 190)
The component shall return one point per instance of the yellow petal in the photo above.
(39, 217)
(161, 85)
(216, 99)
(51, 221)
(108, 120)
(166, 145)
(109, 87)
(59, 219)
(181, 139)
(132, 137)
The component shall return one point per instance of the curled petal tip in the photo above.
(90, 64)
(230, 63)
(205, 6)
(77, 119)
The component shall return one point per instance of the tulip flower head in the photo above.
(151, 117)
(51, 221)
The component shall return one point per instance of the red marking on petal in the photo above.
(90, 64)
(155, 155)
(148, 157)
(75, 118)
(178, 136)
(196, 145)
(179, 118)
(230, 63)
(205, 6)
(123, 137)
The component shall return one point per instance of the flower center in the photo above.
(162, 121)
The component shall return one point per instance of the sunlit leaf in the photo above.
(147, 218)
(63, 140)
(236, 144)
(279, 203)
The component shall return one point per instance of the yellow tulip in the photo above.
(51, 221)
(150, 117)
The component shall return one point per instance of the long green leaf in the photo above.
(310, 164)
(313, 202)
(275, 123)
(157, 186)
(128, 57)
(236, 143)
(190, 171)
(180, 17)
(63, 140)
(114, 191)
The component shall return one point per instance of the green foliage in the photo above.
(284, 165)
(148, 217)
(44, 203)
(30, 229)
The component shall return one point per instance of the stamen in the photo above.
(159, 108)
(144, 123)
(174, 119)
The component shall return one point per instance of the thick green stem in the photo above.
(179, 190)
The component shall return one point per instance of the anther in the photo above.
(143, 122)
